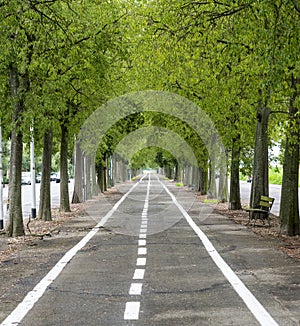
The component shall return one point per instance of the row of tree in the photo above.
(237, 60)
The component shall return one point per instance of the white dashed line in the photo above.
(141, 261)
(136, 289)
(142, 243)
(138, 274)
(34, 295)
(142, 251)
(132, 311)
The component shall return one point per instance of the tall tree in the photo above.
(45, 193)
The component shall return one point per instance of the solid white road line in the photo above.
(33, 296)
(259, 312)
(132, 310)
(110, 213)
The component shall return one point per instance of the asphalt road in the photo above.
(147, 263)
(274, 191)
(27, 197)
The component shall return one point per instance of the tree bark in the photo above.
(101, 177)
(212, 189)
(15, 220)
(45, 191)
(203, 178)
(260, 181)
(78, 182)
(289, 207)
(95, 188)
(235, 196)
(88, 177)
(64, 178)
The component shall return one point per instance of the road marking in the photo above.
(110, 213)
(34, 295)
(132, 310)
(258, 311)
(142, 251)
(139, 274)
(141, 261)
(142, 243)
(136, 289)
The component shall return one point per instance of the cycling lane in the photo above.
(146, 266)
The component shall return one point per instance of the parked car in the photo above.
(26, 178)
(38, 177)
(53, 176)
(249, 178)
(57, 180)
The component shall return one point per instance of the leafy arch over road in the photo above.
(99, 122)
(159, 137)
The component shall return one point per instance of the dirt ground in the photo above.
(25, 260)
(289, 245)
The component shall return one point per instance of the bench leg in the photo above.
(269, 220)
(255, 217)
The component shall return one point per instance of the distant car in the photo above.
(57, 180)
(38, 177)
(249, 179)
(26, 178)
(53, 176)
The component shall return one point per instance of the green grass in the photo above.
(275, 176)
(179, 184)
(211, 201)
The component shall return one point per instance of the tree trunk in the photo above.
(64, 178)
(15, 220)
(95, 188)
(260, 182)
(289, 207)
(212, 190)
(101, 177)
(203, 178)
(176, 172)
(234, 196)
(45, 191)
(78, 181)
(88, 178)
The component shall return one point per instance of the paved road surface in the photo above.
(151, 265)
(274, 191)
(27, 200)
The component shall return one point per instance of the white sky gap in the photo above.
(33, 296)
(259, 312)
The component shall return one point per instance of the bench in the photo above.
(263, 211)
